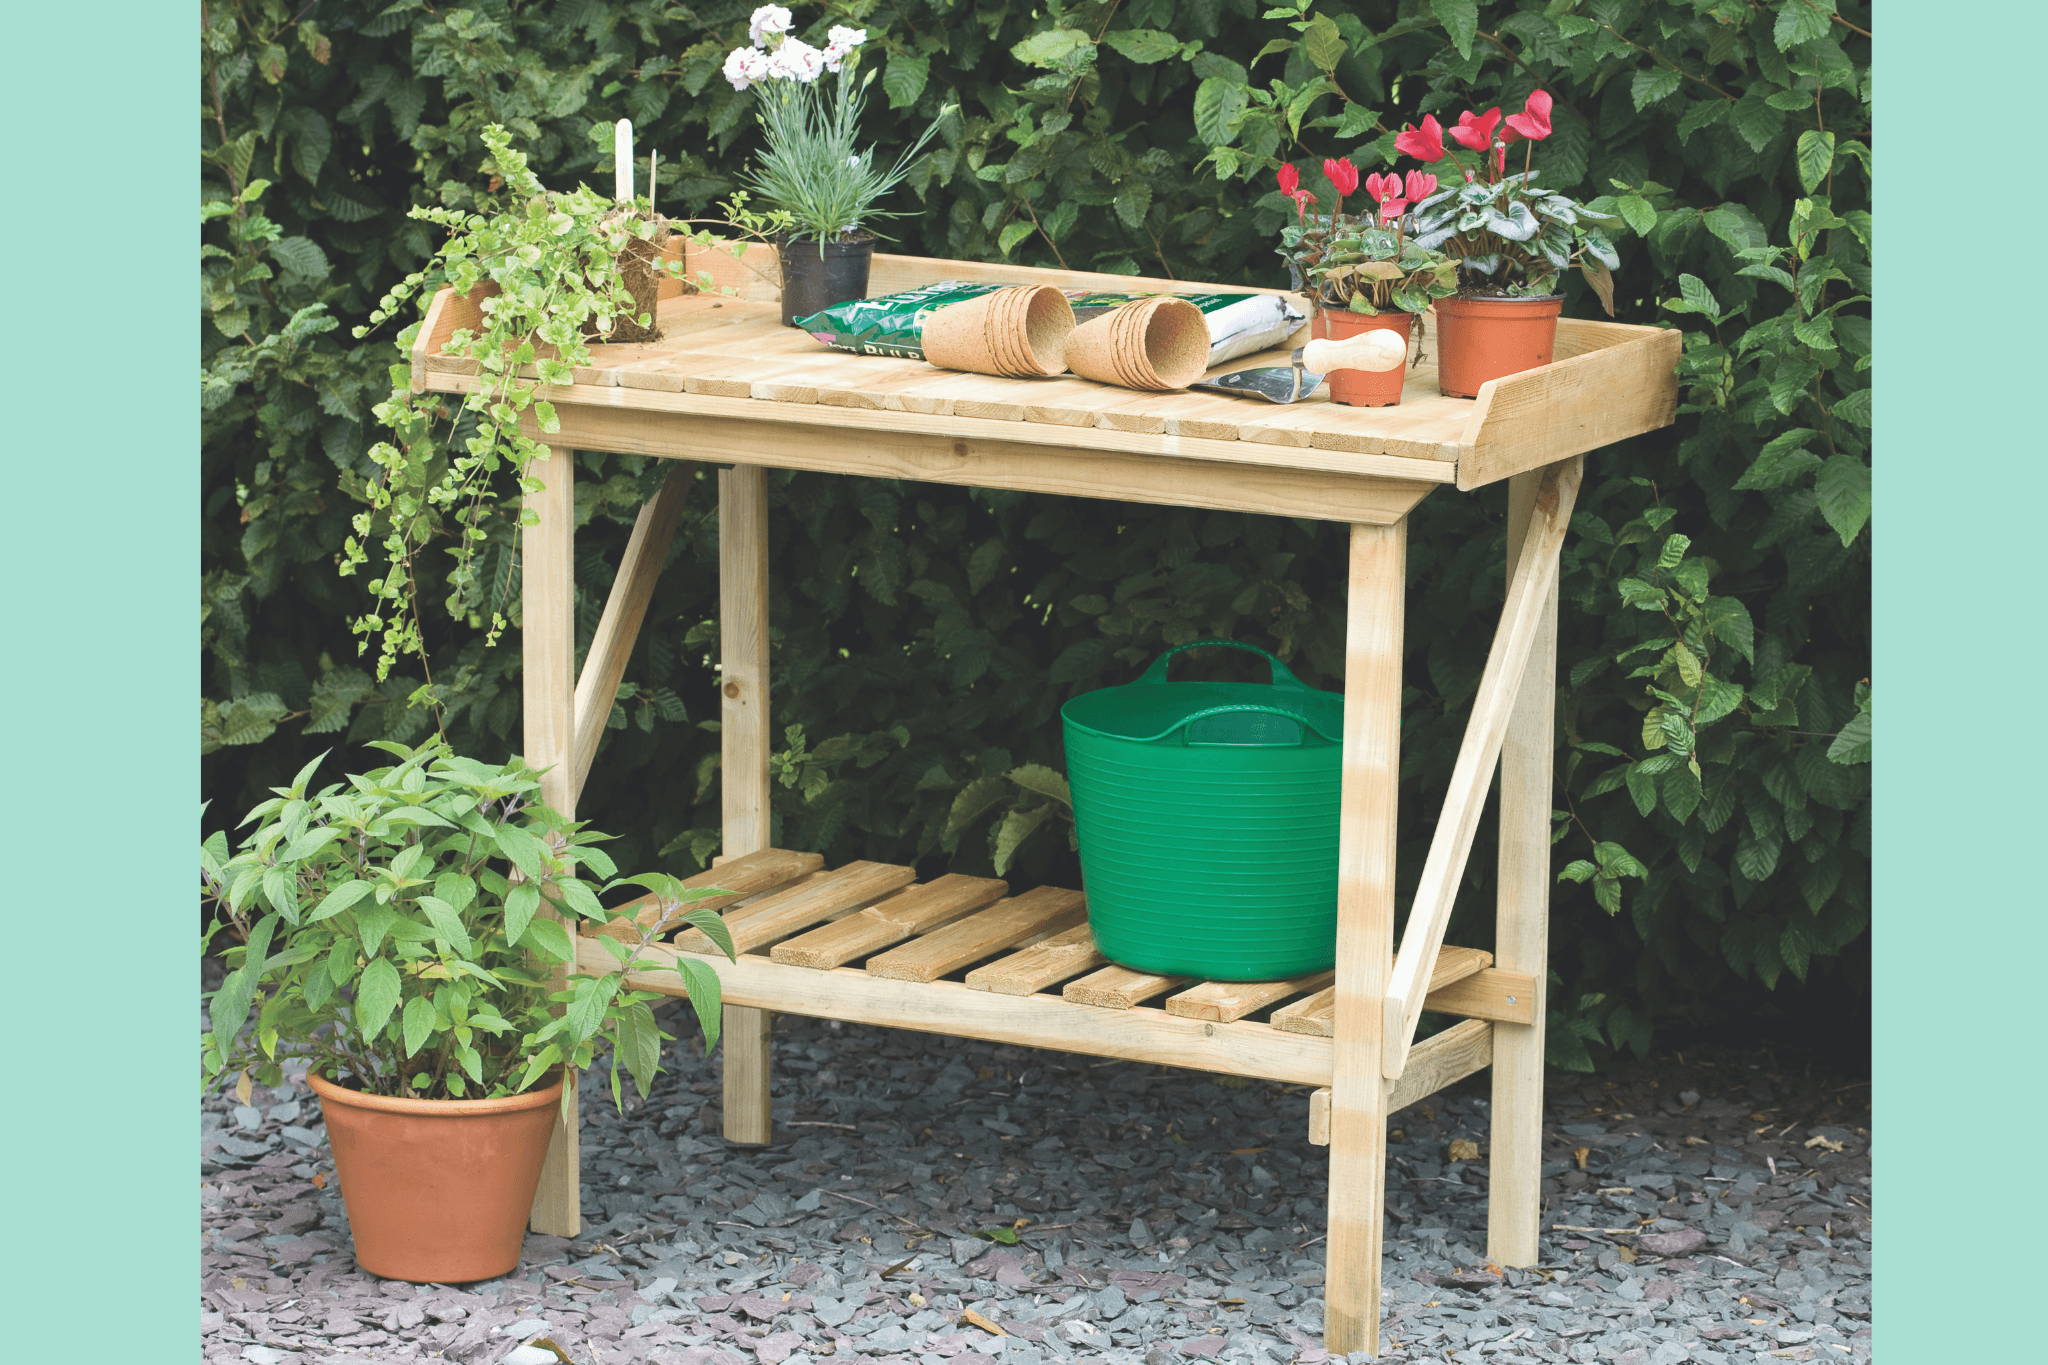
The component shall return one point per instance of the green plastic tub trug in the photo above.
(1207, 818)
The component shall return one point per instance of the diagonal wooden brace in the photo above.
(1535, 575)
(632, 589)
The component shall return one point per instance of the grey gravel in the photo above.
(1160, 1217)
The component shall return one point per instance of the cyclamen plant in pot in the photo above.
(1511, 239)
(1362, 272)
(810, 168)
(409, 935)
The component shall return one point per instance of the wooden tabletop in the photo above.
(728, 381)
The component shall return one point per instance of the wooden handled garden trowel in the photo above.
(1379, 349)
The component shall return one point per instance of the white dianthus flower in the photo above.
(797, 60)
(845, 42)
(768, 21)
(746, 65)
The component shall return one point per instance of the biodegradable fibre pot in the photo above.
(1019, 333)
(1482, 339)
(1363, 388)
(813, 281)
(1156, 343)
(636, 268)
(438, 1191)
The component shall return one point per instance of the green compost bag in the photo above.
(893, 324)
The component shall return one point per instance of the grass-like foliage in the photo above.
(810, 163)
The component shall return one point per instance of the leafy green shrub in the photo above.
(925, 636)
(398, 931)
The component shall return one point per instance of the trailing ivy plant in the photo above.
(548, 264)
(396, 933)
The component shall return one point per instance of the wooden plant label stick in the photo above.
(622, 161)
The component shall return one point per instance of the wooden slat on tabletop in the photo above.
(1071, 401)
(1025, 973)
(1223, 1001)
(1030, 918)
(990, 397)
(1118, 988)
(819, 897)
(903, 915)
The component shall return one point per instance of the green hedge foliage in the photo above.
(925, 636)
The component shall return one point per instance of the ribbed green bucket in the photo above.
(1207, 818)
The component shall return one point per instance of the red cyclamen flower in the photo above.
(1500, 160)
(1390, 209)
(1533, 122)
(1290, 180)
(1302, 199)
(1475, 131)
(1425, 143)
(1342, 174)
(1420, 185)
(1383, 187)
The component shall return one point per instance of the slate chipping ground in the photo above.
(1172, 1217)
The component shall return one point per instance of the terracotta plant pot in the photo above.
(813, 281)
(1482, 339)
(1363, 388)
(437, 1191)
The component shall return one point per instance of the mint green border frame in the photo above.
(101, 680)
(1959, 490)
(1960, 455)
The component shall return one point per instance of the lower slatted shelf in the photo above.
(867, 943)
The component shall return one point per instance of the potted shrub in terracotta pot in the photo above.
(810, 167)
(1363, 273)
(400, 934)
(1511, 239)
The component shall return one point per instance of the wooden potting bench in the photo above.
(729, 386)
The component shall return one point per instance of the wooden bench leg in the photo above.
(743, 765)
(548, 680)
(1365, 935)
(1522, 926)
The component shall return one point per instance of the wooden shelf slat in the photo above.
(819, 897)
(1223, 1001)
(1030, 918)
(905, 915)
(1118, 988)
(754, 874)
(1059, 957)
(1317, 1014)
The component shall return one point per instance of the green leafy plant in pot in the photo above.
(1362, 272)
(811, 168)
(547, 273)
(1511, 239)
(409, 936)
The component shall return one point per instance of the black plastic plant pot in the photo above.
(813, 281)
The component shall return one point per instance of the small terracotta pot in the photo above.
(1363, 388)
(438, 1191)
(1482, 339)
